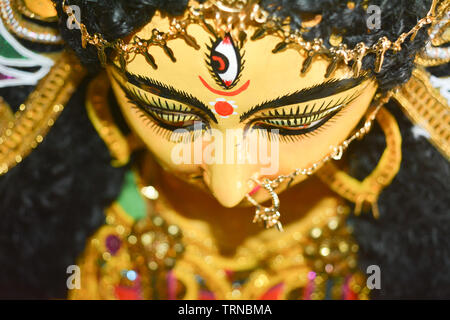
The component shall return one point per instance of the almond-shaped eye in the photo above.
(225, 62)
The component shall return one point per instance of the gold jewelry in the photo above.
(6, 116)
(313, 253)
(98, 110)
(387, 168)
(432, 54)
(35, 117)
(235, 17)
(426, 108)
(44, 10)
(270, 215)
(25, 29)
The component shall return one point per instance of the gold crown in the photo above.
(235, 16)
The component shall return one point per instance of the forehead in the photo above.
(269, 75)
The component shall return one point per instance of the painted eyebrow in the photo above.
(166, 91)
(323, 90)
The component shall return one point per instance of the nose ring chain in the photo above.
(268, 216)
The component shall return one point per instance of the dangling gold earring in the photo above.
(368, 190)
(99, 112)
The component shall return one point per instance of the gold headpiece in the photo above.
(235, 16)
(31, 20)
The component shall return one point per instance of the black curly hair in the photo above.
(54, 200)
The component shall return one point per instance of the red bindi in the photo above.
(223, 108)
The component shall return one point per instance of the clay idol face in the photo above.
(232, 111)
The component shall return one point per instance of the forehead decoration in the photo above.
(225, 62)
(223, 108)
(235, 17)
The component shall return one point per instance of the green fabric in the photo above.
(7, 51)
(130, 198)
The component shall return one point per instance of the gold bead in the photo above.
(343, 246)
(173, 230)
(152, 265)
(333, 224)
(106, 256)
(132, 239)
(158, 221)
(147, 238)
(110, 219)
(120, 229)
(324, 251)
(261, 280)
(57, 108)
(335, 39)
(316, 233)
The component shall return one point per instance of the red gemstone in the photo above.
(223, 108)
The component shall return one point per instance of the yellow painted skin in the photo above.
(271, 76)
(43, 8)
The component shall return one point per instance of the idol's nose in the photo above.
(229, 183)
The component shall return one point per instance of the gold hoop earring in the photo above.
(368, 190)
(99, 112)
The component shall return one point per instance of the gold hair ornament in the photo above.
(426, 108)
(235, 16)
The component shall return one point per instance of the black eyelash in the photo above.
(167, 131)
(274, 113)
(294, 135)
(286, 135)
